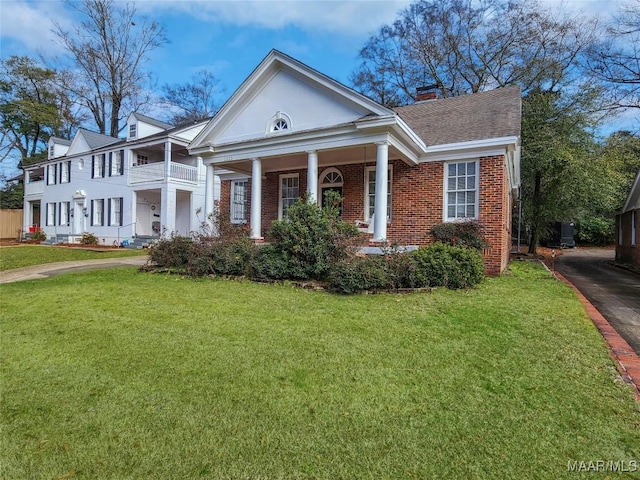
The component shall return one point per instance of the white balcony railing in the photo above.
(155, 172)
(34, 188)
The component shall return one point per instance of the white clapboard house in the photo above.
(119, 189)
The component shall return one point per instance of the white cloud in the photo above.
(356, 18)
(29, 24)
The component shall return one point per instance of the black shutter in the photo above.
(121, 209)
(69, 171)
(121, 165)
(60, 213)
(91, 220)
(46, 175)
(103, 164)
(109, 213)
(103, 214)
(46, 213)
(68, 212)
(59, 168)
(54, 214)
(93, 166)
(110, 162)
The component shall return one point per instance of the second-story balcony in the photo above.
(34, 187)
(157, 172)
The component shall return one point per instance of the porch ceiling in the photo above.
(326, 158)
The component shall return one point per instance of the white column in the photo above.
(134, 213)
(168, 210)
(312, 176)
(380, 207)
(167, 159)
(208, 192)
(256, 199)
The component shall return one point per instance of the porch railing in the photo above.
(34, 188)
(155, 172)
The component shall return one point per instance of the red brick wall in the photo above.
(417, 203)
(625, 252)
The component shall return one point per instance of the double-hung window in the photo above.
(63, 213)
(370, 193)
(289, 192)
(97, 167)
(97, 212)
(239, 201)
(51, 214)
(461, 190)
(52, 170)
(115, 212)
(116, 163)
(65, 172)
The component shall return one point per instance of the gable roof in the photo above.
(60, 141)
(633, 200)
(492, 114)
(151, 121)
(274, 62)
(95, 139)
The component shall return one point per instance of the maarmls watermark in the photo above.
(603, 466)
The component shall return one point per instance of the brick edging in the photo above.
(623, 355)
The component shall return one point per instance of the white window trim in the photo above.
(274, 120)
(246, 200)
(51, 214)
(282, 177)
(65, 169)
(52, 174)
(114, 220)
(445, 186)
(367, 218)
(98, 206)
(63, 214)
(133, 128)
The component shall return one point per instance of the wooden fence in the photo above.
(10, 223)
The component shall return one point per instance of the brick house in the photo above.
(289, 129)
(628, 228)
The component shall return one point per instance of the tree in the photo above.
(12, 194)
(466, 46)
(32, 109)
(615, 60)
(194, 100)
(109, 50)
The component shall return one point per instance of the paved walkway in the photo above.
(616, 293)
(50, 269)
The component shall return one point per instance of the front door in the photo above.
(78, 216)
(338, 190)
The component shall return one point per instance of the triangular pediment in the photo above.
(282, 88)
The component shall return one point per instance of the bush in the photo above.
(356, 274)
(468, 233)
(313, 237)
(402, 269)
(88, 239)
(269, 263)
(448, 266)
(596, 230)
(173, 252)
(40, 236)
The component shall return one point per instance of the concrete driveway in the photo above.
(613, 291)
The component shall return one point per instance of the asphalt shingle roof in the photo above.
(492, 114)
(97, 140)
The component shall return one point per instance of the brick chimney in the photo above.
(426, 93)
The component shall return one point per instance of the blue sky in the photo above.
(232, 37)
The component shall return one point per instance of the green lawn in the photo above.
(116, 374)
(27, 255)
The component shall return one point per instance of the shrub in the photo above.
(402, 269)
(40, 236)
(232, 257)
(449, 266)
(356, 274)
(270, 263)
(596, 230)
(173, 252)
(89, 239)
(468, 233)
(313, 238)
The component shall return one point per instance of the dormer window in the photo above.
(52, 151)
(279, 123)
(132, 130)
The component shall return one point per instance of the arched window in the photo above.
(331, 180)
(279, 123)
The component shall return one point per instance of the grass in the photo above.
(130, 375)
(27, 255)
